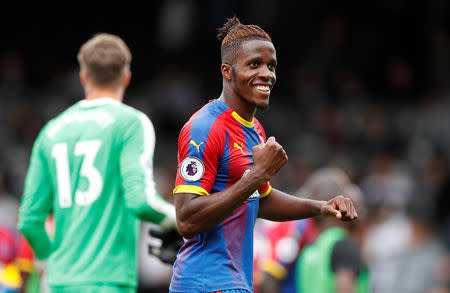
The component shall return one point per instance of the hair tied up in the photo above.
(226, 28)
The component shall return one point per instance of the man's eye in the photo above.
(254, 64)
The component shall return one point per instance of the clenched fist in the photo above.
(339, 207)
(268, 158)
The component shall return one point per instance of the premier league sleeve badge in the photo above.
(192, 169)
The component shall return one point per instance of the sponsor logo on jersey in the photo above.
(196, 145)
(192, 169)
(240, 147)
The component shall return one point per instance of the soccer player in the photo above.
(225, 164)
(91, 167)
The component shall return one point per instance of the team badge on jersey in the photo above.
(192, 169)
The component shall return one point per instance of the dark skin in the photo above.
(248, 80)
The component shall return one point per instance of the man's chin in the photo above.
(260, 102)
(262, 106)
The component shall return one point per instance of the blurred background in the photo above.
(361, 86)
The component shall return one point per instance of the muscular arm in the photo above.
(279, 206)
(198, 213)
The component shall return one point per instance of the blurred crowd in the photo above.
(351, 94)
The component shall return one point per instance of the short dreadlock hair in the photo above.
(233, 33)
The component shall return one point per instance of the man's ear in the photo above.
(83, 78)
(126, 79)
(226, 70)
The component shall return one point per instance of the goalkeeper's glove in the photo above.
(171, 242)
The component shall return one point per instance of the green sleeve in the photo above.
(36, 203)
(136, 167)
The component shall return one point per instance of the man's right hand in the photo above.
(268, 158)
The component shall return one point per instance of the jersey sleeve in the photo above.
(136, 168)
(265, 190)
(36, 202)
(199, 149)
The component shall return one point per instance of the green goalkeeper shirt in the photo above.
(92, 168)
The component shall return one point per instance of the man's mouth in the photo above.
(262, 88)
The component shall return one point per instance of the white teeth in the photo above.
(263, 88)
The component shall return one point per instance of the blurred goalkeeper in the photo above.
(92, 168)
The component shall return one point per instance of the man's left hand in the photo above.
(339, 207)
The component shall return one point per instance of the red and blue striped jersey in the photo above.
(215, 151)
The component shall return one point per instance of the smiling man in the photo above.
(224, 167)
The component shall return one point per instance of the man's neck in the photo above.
(240, 106)
(103, 94)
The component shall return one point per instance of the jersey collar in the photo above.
(98, 101)
(242, 120)
(236, 115)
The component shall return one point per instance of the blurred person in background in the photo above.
(282, 242)
(423, 267)
(16, 261)
(387, 189)
(277, 246)
(91, 167)
(333, 262)
(224, 167)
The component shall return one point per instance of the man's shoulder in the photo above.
(105, 114)
(125, 114)
(125, 111)
(53, 124)
(207, 116)
(129, 110)
(203, 125)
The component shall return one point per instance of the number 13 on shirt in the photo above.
(89, 150)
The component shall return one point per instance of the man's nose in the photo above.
(266, 73)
